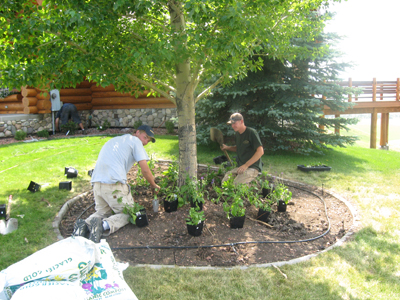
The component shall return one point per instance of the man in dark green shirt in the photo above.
(248, 148)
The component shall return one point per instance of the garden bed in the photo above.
(219, 245)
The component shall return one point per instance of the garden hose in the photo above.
(240, 243)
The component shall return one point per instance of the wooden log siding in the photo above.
(43, 105)
(76, 99)
(16, 107)
(76, 92)
(11, 98)
(86, 96)
(30, 110)
(28, 92)
(29, 101)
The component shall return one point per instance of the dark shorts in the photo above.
(69, 112)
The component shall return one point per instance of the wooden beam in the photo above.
(84, 106)
(12, 98)
(108, 94)
(76, 92)
(11, 106)
(76, 99)
(366, 107)
(30, 110)
(134, 106)
(28, 92)
(384, 140)
(374, 118)
(112, 101)
(337, 129)
(29, 101)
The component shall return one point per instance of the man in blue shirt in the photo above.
(110, 188)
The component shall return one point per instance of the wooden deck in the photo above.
(376, 97)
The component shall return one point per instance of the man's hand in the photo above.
(155, 189)
(242, 169)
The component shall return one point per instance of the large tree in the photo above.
(284, 102)
(168, 46)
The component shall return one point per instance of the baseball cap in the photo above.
(149, 131)
(235, 117)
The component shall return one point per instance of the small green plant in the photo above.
(69, 127)
(20, 135)
(195, 216)
(280, 192)
(133, 211)
(315, 164)
(263, 181)
(137, 124)
(194, 189)
(170, 126)
(43, 133)
(264, 204)
(105, 125)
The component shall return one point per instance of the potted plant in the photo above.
(281, 195)
(264, 208)
(265, 185)
(194, 191)
(317, 166)
(195, 221)
(234, 203)
(137, 214)
(171, 199)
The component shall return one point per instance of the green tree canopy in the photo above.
(167, 46)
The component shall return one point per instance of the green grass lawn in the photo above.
(366, 267)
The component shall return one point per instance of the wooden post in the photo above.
(398, 89)
(350, 85)
(374, 118)
(337, 129)
(384, 140)
(374, 90)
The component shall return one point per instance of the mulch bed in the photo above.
(166, 240)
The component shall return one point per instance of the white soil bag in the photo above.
(67, 260)
(105, 280)
(49, 290)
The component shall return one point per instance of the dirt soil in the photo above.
(166, 241)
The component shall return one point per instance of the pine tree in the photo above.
(284, 102)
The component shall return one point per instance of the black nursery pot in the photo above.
(195, 230)
(266, 192)
(281, 206)
(170, 206)
(237, 222)
(142, 220)
(263, 215)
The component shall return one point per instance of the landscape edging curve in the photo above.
(64, 209)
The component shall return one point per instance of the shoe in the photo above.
(96, 230)
(80, 228)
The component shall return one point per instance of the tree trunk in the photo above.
(184, 100)
(186, 132)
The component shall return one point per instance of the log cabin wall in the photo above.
(30, 109)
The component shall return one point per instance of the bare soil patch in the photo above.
(166, 240)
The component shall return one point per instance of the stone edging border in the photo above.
(64, 209)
